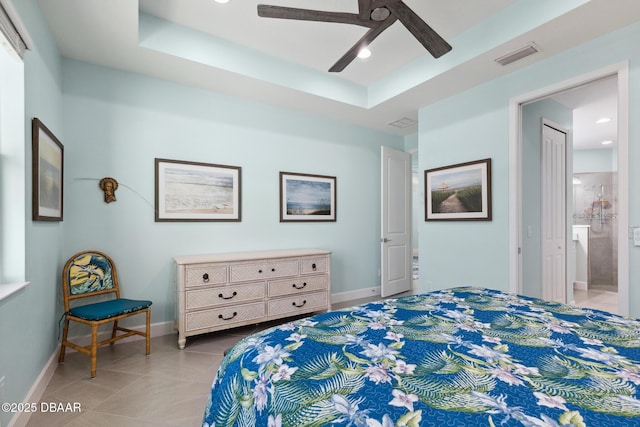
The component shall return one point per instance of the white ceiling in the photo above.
(227, 48)
(591, 103)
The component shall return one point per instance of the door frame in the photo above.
(621, 70)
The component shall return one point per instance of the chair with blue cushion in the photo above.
(88, 274)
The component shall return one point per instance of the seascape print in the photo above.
(306, 197)
(49, 176)
(457, 192)
(190, 191)
(193, 191)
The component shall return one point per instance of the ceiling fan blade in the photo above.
(426, 35)
(282, 12)
(369, 36)
(364, 9)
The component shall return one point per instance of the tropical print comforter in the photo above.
(457, 357)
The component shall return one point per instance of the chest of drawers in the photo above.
(222, 291)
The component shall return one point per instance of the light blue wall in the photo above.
(475, 125)
(117, 123)
(28, 319)
(532, 116)
(464, 128)
(598, 160)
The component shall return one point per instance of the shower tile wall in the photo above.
(595, 204)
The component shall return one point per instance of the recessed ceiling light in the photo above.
(606, 142)
(364, 53)
(222, 1)
(603, 120)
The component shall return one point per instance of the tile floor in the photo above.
(598, 299)
(169, 387)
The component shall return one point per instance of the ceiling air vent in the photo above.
(404, 122)
(518, 54)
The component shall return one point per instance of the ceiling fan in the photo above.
(377, 15)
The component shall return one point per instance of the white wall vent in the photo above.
(404, 122)
(516, 55)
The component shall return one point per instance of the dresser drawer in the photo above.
(310, 265)
(302, 303)
(206, 275)
(225, 316)
(262, 270)
(220, 295)
(297, 285)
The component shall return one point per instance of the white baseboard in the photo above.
(354, 295)
(583, 286)
(20, 419)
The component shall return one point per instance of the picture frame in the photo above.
(460, 192)
(47, 169)
(195, 191)
(307, 198)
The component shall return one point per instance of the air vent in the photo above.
(518, 54)
(404, 122)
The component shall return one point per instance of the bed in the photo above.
(458, 357)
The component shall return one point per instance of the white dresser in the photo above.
(222, 291)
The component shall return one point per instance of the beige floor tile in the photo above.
(99, 419)
(168, 388)
(161, 399)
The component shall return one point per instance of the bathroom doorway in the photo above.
(594, 201)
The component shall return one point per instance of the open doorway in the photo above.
(606, 209)
(594, 199)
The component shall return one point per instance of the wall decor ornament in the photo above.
(194, 191)
(47, 168)
(305, 197)
(460, 192)
(109, 186)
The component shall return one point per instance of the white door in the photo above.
(554, 216)
(396, 222)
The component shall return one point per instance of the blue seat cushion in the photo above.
(106, 309)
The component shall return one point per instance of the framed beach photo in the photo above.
(192, 191)
(305, 197)
(47, 173)
(460, 192)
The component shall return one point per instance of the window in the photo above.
(12, 154)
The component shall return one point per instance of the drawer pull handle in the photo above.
(301, 305)
(220, 316)
(260, 271)
(273, 269)
(232, 295)
(313, 266)
(300, 287)
(205, 277)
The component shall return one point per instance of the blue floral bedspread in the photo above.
(458, 357)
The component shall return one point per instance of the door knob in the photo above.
(385, 240)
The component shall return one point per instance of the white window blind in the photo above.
(11, 27)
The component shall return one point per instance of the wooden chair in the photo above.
(88, 274)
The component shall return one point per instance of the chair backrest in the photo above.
(88, 273)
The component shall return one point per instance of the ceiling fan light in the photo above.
(364, 53)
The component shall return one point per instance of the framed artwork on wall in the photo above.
(193, 191)
(47, 168)
(460, 192)
(305, 197)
